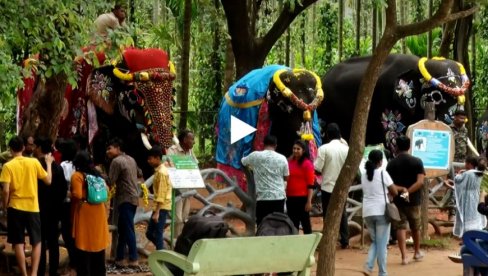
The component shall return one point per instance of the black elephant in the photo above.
(131, 99)
(275, 100)
(405, 84)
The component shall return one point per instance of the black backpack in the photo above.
(276, 224)
(198, 227)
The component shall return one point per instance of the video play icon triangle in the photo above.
(239, 129)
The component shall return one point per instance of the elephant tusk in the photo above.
(278, 82)
(145, 141)
(123, 76)
(472, 148)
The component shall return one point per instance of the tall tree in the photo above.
(341, 29)
(462, 34)
(392, 33)
(250, 51)
(374, 28)
(358, 26)
(185, 64)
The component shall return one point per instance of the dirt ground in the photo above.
(350, 261)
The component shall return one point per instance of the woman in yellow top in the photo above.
(90, 227)
(162, 198)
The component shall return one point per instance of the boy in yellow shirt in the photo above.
(162, 198)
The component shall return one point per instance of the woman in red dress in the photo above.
(299, 189)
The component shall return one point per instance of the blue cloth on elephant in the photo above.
(467, 193)
(252, 87)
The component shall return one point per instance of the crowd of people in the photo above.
(44, 187)
(45, 194)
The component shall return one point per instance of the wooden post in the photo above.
(424, 215)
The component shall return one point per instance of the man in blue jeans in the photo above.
(330, 159)
(123, 174)
(162, 198)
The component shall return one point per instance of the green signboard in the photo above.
(184, 172)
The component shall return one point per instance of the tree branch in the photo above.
(440, 17)
(391, 15)
(281, 24)
(236, 13)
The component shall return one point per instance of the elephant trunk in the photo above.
(158, 95)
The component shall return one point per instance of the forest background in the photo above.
(195, 33)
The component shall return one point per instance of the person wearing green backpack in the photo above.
(90, 226)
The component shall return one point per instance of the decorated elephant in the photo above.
(130, 99)
(405, 84)
(275, 100)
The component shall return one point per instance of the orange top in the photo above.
(90, 227)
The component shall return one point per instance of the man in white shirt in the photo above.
(270, 171)
(111, 20)
(329, 162)
(186, 140)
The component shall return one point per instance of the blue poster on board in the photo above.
(432, 147)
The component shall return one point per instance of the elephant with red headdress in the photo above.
(131, 99)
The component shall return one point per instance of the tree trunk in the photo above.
(42, 116)
(326, 263)
(429, 34)
(341, 26)
(229, 71)
(358, 27)
(374, 27)
(250, 51)
(185, 65)
(216, 61)
(302, 40)
(447, 33)
(132, 12)
(156, 15)
(402, 21)
(391, 35)
(287, 47)
(314, 17)
(473, 55)
(461, 54)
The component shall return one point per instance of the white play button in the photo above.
(239, 129)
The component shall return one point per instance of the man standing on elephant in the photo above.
(186, 140)
(407, 171)
(111, 20)
(329, 162)
(123, 174)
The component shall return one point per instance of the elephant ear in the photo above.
(101, 88)
(407, 90)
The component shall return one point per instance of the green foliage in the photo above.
(207, 74)
(327, 36)
(54, 29)
(418, 44)
(480, 93)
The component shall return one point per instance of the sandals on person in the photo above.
(405, 261)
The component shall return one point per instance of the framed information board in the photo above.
(433, 143)
(433, 147)
(185, 172)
